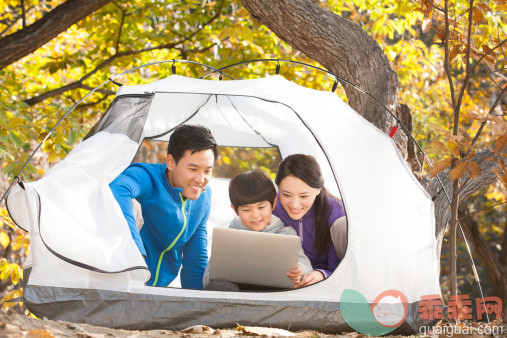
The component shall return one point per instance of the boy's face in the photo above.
(255, 216)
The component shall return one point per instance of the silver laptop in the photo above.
(254, 258)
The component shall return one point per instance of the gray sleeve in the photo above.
(205, 277)
(339, 236)
(302, 259)
(138, 214)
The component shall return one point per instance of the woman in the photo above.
(304, 204)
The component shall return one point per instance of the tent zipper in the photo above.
(184, 212)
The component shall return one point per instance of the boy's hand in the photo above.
(295, 274)
(310, 278)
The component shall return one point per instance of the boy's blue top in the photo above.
(174, 230)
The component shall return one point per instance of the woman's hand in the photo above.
(310, 278)
(295, 274)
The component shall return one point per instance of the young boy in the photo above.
(253, 196)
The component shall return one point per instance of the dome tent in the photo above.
(84, 266)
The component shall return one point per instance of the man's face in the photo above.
(192, 172)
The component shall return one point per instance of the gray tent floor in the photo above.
(15, 325)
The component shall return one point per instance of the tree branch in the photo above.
(468, 71)
(436, 7)
(472, 70)
(25, 41)
(446, 55)
(196, 50)
(15, 20)
(74, 85)
(442, 210)
(23, 16)
(91, 104)
(79, 83)
(491, 110)
(117, 45)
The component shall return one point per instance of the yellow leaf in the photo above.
(5, 271)
(455, 51)
(484, 7)
(442, 165)
(16, 273)
(459, 171)
(441, 146)
(454, 148)
(474, 170)
(38, 334)
(485, 48)
(12, 295)
(472, 154)
(4, 239)
(500, 143)
(477, 15)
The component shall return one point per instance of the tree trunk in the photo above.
(344, 48)
(453, 231)
(495, 267)
(27, 40)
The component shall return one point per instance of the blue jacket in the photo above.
(174, 231)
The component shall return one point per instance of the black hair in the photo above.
(193, 138)
(306, 168)
(251, 187)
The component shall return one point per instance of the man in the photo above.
(175, 206)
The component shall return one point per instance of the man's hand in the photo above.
(310, 278)
(295, 274)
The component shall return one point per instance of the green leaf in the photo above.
(17, 140)
(71, 138)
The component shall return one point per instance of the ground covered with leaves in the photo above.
(15, 325)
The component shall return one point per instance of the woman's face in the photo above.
(296, 196)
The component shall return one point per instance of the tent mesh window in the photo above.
(230, 162)
(126, 115)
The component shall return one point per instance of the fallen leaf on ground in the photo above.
(198, 329)
(39, 334)
(264, 331)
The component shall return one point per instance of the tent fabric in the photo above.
(80, 239)
(150, 312)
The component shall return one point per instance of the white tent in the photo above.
(85, 267)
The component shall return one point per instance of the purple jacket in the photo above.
(305, 229)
